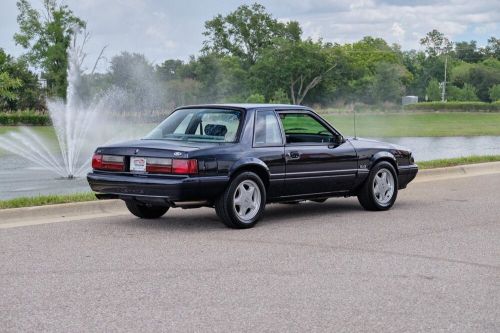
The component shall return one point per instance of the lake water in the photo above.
(432, 148)
(19, 178)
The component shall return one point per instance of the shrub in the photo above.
(495, 93)
(433, 91)
(467, 94)
(455, 106)
(279, 97)
(26, 117)
(256, 98)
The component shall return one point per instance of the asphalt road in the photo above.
(431, 264)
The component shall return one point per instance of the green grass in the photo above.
(457, 161)
(43, 200)
(385, 124)
(417, 124)
(46, 131)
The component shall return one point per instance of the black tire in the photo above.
(225, 203)
(145, 211)
(367, 196)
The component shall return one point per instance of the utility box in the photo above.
(407, 100)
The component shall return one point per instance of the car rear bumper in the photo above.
(406, 174)
(167, 190)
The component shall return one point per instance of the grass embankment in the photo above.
(44, 200)
(417, 124)
(457, 161)
(382, 124)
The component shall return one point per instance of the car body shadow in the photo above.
(205, 218)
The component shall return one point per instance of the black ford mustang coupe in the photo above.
(239, 157)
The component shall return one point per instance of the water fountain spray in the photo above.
(79, 127)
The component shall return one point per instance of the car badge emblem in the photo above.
(177, 153)
(136, 151)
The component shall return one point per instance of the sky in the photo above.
(163, 29)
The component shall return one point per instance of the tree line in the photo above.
(250, 56)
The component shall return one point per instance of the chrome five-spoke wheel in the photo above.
(380, 190)
(247, 200)
(242, 203)
(383, 186)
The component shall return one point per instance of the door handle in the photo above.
(294, 155)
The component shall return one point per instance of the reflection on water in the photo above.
(432, 148)
(18, 178)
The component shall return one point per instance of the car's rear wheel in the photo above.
(242, 203)
(145, 211)
(380, 189)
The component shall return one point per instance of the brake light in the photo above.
(184, 167)
(108, 162)
(159, 165)
(96, 161)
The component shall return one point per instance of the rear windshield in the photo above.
(202, 125)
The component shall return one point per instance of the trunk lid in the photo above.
(155, 148)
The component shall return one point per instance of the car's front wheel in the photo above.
(242, 203)
(145, 211)
(380, 189)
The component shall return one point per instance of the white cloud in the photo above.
(173, 29)
(397, 31)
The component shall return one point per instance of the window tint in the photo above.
(303, 128)
(199, 125)
(267, 129)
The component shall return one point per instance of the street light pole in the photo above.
(443, 92)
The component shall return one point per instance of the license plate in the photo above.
(138, 164)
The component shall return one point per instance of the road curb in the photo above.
(109, 207)
(62, 210)
(458, 171)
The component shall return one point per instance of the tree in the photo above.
(256, 98)
(433, 91)
(436, 43)
(279, 97)
(47, 35)
(495, 93)
(25, 95)
(465, 94)
(297, 67)
(388, 85)
(134, 74)
(7, 85)
(481, 76)
(468, 51)
(245, 32)
(170, 69)
(493, 48)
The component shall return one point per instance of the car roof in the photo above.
(247, 106)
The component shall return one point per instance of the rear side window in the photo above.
(267, 129)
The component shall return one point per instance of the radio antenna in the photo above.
(354, 121)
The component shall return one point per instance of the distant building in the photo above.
(406, 100)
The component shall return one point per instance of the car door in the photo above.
(318, 160)
(268, 146)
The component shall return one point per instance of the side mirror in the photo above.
(338, 140)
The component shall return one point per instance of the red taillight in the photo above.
(96, 161)
(184, 167)
(159, 165)
(108, 162)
